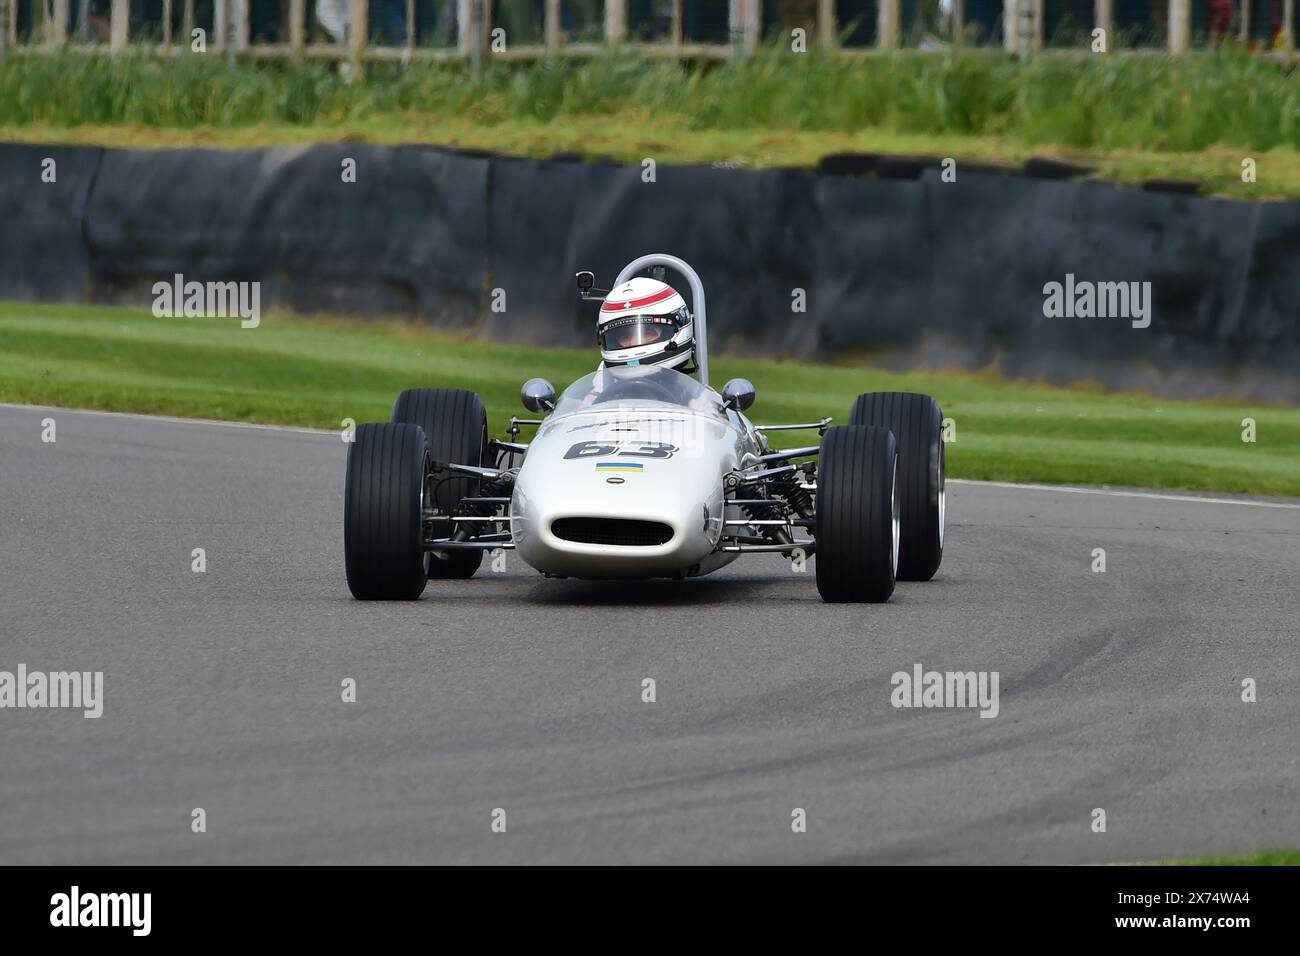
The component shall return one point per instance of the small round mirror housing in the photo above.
(738, 394)
(538, 395)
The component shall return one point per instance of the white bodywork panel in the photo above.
(640, 444)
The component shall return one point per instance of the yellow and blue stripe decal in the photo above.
(618, 466)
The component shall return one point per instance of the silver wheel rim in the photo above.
(893, 509)
(942, 492)
(425, 556)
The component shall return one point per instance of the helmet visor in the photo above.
(635, 331)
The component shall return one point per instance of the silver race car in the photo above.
(640, 471)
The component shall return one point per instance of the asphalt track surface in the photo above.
(222, 690)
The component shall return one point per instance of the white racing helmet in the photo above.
(645, 322)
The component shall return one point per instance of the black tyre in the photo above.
(385, 486)
(455, 424)
(917, 424)
(857, 515)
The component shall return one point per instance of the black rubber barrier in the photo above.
(910, 270)
(336, 227)
(43, 191)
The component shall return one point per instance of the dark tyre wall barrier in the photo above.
(43, 192)
(407, 236)
(909, 270)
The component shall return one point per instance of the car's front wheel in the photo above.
(857, 515)
(917, 423)
(383, 501)
(455, 424)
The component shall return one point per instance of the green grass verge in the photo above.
(1133, 116)
(1266, 858)
(318, 372)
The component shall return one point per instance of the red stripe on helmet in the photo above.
(638, 303)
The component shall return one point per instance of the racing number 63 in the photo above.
(595, 449)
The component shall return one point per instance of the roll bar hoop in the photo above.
(697, 297)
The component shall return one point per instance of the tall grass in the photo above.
(1227, 97)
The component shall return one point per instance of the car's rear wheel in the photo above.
(857, 515)
(455, 423)
(917, 424)
(382, 502)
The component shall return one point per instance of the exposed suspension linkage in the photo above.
(775, 501)
(479, 522)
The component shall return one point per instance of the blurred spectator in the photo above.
(946, 8)
(334, 17)
(93, 22)
(1276, 9)
(1220, 19)
(387, 20)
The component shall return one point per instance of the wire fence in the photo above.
(475, 29)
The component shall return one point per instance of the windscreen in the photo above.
(646, 385)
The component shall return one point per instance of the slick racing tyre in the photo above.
(455, 423)
(917, 424)
(857, 515)
(382, 499)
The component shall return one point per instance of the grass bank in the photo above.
(318, 372)
(1132, 116)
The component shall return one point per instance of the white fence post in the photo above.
(464, 27)
(359, 32)
(1025, 28)
(297, 27)
(240, 13)
(474, 31)
(887, 25)
(1180, 25)
(826, 24)
(552, 25)
(56, 29)
(615, 20)
(119, 30)
(220, 25)
(745, 22)
(1104, 17)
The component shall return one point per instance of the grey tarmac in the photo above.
(222, 690)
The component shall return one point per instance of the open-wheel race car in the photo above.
(640, 470)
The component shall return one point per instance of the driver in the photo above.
(646, 322)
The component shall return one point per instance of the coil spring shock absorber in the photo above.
(487, 489)
(772, 532)
(799, 499)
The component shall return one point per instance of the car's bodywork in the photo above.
(643, 471)
(639, 471)
(626, 477)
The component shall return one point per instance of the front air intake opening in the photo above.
(626, 532)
